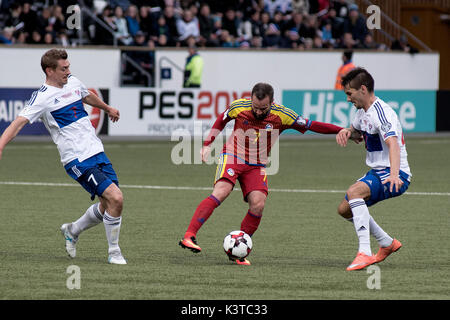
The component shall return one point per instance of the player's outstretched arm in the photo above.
(302, 125)
(93, 100)
(11, 132)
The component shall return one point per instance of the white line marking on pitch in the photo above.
(124, 186)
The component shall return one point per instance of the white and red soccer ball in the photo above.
(237, 244)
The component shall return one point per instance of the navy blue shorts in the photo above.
(379, 191)
(94, 174)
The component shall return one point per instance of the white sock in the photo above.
(112, 228)
(384, 240)
(361, 219)
(90, 218)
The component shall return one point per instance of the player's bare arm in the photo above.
(343, 136)
(394, 159)
(205, 152)
(93, 100)
(348, 134)
(12, 131)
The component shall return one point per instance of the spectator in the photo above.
(48, 38)
(161, 30)
(250, 27)
(62, 39)
(327, 33)
(256, 42)
(317, 42)
(193, 8)
(6, 36)
(29, 17)
(15, 19)
(162, 40)
(336, 24)
(227, 40)
(308, 28)
(132, 20)
(145, 20)
(272, 36)
(43, 23)
(265, 21)
(369, 42)
(103, 35)
(206, 24)
(255, 20)
(294, 22)
(230, 22)
(403, 45)
(347, 42)
(355, 24)
(36, 38)
(308, 43)
(21, 37)
(171, 22)
(187, 27)
(122, 33)
(57, 19)
(291, 39)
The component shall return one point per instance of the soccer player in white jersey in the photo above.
(59, 104)
(377, 124)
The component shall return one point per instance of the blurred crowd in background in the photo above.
(294, 24)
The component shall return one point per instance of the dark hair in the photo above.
(51, 57)
(348, 54)
(262, 90)
(358, 77)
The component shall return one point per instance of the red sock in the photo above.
(250, 223)
(203, 212)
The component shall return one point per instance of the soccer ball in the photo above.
(237, 245)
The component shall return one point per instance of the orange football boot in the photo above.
(361, 261)
(383, 253)
(191, 244)
(243, 262)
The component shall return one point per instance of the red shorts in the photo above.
(250, 177)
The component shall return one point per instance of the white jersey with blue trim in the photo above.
(378, 124)
(64, 116)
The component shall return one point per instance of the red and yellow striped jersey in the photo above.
(252, 139)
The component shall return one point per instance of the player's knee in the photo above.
(353, 192)
(344, 210)
(257, 205)
(222, 189)
(116, 200)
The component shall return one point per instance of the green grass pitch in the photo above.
(300, 251)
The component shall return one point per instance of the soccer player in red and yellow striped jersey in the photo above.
(258, 123)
